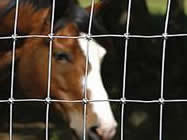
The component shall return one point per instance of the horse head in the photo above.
(68, 65)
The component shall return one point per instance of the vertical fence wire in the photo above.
(86, 72)
(48, 100)
(125, 69)
(11, 99)
(163, 70)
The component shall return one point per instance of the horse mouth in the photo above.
(93, 135)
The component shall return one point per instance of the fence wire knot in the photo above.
(88, 37)
(126, 36)
(47, 100)
(161, 101)
(51, 36)
(123, 100)
(14, 36)
(165, 35)
(11, 100)
(85, 101)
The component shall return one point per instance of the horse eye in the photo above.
(62, 56)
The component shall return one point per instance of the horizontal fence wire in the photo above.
(129, 36)
(92, 101)
(85, 100)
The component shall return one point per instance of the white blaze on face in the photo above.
(106, 122)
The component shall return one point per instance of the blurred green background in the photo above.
(155, 6)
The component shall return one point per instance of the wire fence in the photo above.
(123, 101)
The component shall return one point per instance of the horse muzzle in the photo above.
(104, 132)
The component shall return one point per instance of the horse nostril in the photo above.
(92, 133)
(93, 129)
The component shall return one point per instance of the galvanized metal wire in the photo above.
(85, 98)
(49, 70)
(12, 72)
(126, 36)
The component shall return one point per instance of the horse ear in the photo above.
(29, 19)
(38, 18)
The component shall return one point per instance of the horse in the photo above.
(68, 64)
